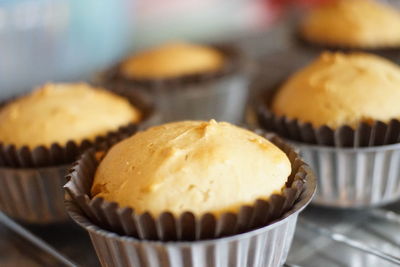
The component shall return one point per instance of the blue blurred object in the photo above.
(60, 40)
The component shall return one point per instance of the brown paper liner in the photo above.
(186, 226)
(113, 79)
(59, 154)
(365, 134)
(391, 53)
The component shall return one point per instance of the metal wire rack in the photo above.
(323, 238)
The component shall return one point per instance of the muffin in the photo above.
(341, 89)
(364, 24)
(45, 130)
(159, 169)
(58, 113)
(186, 182)
(342, 111)
(188, 81)
(188, 59)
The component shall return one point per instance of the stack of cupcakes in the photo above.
(187, 81)
(43, 132)
(191, 193)
(342, 112)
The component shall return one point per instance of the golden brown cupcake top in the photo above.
(341, 89)
(62, 112)
(192, 166)
(353, 23)
(172, 60)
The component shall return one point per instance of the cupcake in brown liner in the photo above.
(43, 132)
(331, 110)
(352, 25)
(188, 81)
(187, 181)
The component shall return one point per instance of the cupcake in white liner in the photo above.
(341, 111)
(43, 132)
(189, 193)
(187, 81)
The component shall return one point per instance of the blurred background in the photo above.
(69, 40)
(65, 40)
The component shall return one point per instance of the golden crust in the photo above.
(191, 166)
(341, 89)
(172, 60)
(353, 23)
(62, 112)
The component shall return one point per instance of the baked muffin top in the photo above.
(341, 89)
(192, 166)
(57, 113)
(172, 60)
(353, 23)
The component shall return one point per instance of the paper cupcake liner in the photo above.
(224, 99)
(389, 52)
(33, 195)
(220, 95)
(365, 135)
(41, 156)
(267, 246)
(354, 177)
(187, 226)
(31, 180)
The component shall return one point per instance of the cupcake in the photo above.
(41, 133)
(342, 112)
(184, 189)
(187, 81)
(359, 24)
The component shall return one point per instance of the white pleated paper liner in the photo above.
(267, 246)
(220, 95)
(31, 180)
(187, 226)
(33, 195)
(354, 177)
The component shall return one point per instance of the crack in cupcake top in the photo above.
(191, 166)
